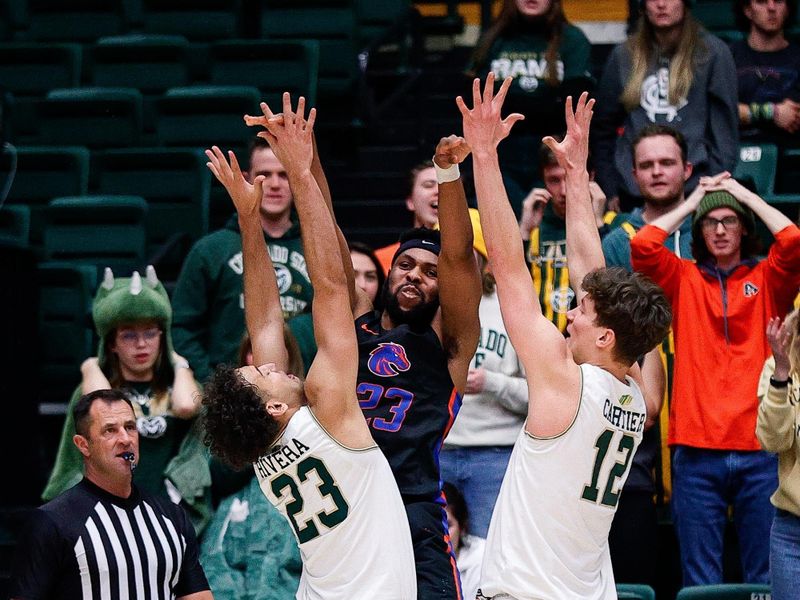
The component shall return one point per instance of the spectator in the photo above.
(768, 70)
(543, 229)
(719, 302)
(778, 429)
(104, 537)
(422, 201)
(208, 297)
(493, 410)
(660, 170)
(467, 547)
(133, 320)
(369, 277)
(673, 72)
(549, 59)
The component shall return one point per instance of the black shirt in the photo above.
(89, 544)
(406, 393)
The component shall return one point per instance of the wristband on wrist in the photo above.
(769, 111)
(447, 175)
(780, 383)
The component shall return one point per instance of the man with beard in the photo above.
(413, 363)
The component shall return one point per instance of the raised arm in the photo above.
(554, 384)
(459, 278)
(584, 251)
(262, 305)
(774, 219)
(359, 301)
(330, 384)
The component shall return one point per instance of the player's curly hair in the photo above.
(238, 428)
(632, 306)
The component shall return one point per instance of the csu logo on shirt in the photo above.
(625, 399)
(283, 276)
(388, 359)
(750, 289)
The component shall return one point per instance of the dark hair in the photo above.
(743, 23)
(238, 428)
(510, 22)
(362, 248)
(546, 157)
(656, 130)
(80, 412)
(412, 175)
(163, 372)
(632, 306)
(256, 143)
(458, 506)
(750, 245)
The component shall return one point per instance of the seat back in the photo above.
(758, 163)
(28, 69)
(727, 591)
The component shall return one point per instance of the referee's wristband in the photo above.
(447, 175)
(780, 383)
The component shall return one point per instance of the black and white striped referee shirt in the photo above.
(89, 544)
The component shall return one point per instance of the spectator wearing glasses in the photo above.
(133, 319)
(721, 303)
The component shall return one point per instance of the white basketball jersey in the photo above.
(346, 513)
(548, 538)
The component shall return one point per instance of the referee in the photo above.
(104, 539)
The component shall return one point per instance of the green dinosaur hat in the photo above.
(128, 300)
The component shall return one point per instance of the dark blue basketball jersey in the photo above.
(408, 398)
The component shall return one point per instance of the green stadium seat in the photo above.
(175, 183)
(66, 338)
(758, 163)
(715, 14)
(94, 117)
(77, 20)
(103, 231)
(28, 69)
(201, 116)
(376, 17)
(15, 224)
(272, 67)
(197, 20)
(43, 174)
(728, 591)
(150, 63)
(332, 22)
(788, 177)
(635, 591)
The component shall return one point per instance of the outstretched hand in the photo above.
(246, 196)
(451, 150)
(779, 337)
(573, 150)
(290, 134)
(483, 127)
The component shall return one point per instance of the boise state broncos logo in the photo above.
(388, 359)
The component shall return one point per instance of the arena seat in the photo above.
(758, 163)
(198, 20)
(715, 14)
(65, 292)
(635, 591)
(103, 231)
(28, 69)
(15, 224)
(44, 173)
(271, 66)
(332, 22)
(174, 182)
(77, 20)
(199, 116)
(150, 63)
(94, 117)
(728, 591)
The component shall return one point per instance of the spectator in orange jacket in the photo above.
(721, 304)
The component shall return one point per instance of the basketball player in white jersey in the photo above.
(309, 443)
(549, 532)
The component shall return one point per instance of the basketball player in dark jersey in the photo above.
(414, 357)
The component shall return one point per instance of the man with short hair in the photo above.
(720, 301)
(767, 70)
(208, 301)
(586, 411)
(422, 201)
(104, 537)
(311, 450)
